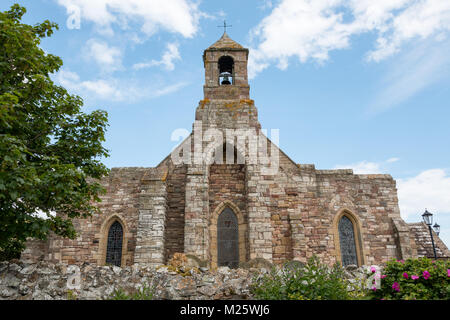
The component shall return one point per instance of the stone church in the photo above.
(229, 214)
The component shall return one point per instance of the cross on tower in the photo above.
(224, 26)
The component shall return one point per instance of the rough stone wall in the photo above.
(196, 232)
(47, 281)
(227, 182)
(35, 250)
(176, 194)
(302, 204)
(371, 198)
(212, 89)
(150, 234)
(121, 200)
(227, 113)
(421, 235)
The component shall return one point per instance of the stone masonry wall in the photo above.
(372, 199)
(150, 241)
(227, 182)
(48, 281)
(121, 201)
(176, 194)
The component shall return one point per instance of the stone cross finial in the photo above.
(224, 26)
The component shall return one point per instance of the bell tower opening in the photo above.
(226, 70)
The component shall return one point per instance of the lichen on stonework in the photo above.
(203, 102)
(247, 101)
(164, 177)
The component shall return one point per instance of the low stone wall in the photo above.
(47, 281)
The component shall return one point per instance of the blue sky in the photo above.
(350, 84)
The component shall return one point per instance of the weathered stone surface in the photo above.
(96, 282)
(290, 214)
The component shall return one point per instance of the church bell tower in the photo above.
(225, 65)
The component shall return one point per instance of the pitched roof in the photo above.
(225, 42)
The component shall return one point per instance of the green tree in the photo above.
(49, 149)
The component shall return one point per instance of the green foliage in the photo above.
(313, 281)
(357, 289)
(11, 250)
(144, 293)
(71, 295)
(49, 148)
(398, 280)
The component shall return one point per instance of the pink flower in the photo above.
(405, 275)
(374, 288)
(383, 276)
(426, 275)
(373, 270)
(396, 286)
(448, 272)
(401, 261)
(414, 277)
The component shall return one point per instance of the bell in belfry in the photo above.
(226, 79)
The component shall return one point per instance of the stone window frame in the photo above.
(357, 231)
(103, 235)
(242, 232)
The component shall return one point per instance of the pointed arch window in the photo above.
(228, 239)
(347, 241)
(114, 246)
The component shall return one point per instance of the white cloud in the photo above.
(167, 60)
(418, 20)
(367, 167)
(112, 89)
(430, 189)
(108, 58)
(168, 89)
(310, 29)
(391, 160)
(177, 16)
(412, 71)
(102, 89)
(266, 4)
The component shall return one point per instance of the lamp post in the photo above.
(428, 219)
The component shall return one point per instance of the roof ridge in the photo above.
(225, 42)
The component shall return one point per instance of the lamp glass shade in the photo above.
(428, 218)
(437, 228)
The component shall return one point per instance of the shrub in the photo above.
(313, 281)
(144, 293)
(412, 279)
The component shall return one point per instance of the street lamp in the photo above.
(437, 229)
(428, 219)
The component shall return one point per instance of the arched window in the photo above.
(227, 239)
(347, 241)
(226, 70)
(114, 246)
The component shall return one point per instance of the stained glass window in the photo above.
(114, 248)
(347, 242)
(227, 239)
